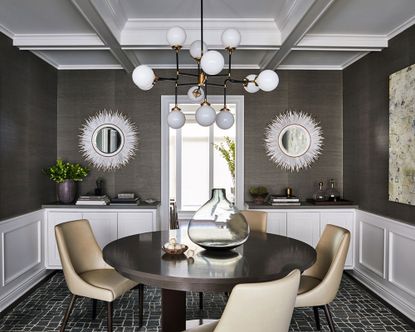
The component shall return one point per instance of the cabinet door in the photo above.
(53, 219)
(104, 226)
(304, 226)
(277, 223)
(345, 220)
(130, 223)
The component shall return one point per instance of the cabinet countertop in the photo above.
(141, 206)
(304, 205)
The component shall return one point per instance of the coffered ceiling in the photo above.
(282, 34)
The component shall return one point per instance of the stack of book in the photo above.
(277, 200)
(93, 200)
(125, 199)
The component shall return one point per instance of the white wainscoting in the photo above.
(385, 259)
(22, 259)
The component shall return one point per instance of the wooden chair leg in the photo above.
(109, 317)
(94, 309)
(329, 318)
(140, 305)
(317, 318)
(200, 301)
(68, 313)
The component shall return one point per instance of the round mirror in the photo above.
(107, 140)
(294, 140)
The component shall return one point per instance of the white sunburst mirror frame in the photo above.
(125, 151)
(303, 154)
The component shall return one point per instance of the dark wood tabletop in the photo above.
(263, 257)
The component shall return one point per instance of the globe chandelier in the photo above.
(210, 64)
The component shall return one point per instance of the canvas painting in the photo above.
(402, 136)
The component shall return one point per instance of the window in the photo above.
(195, 166)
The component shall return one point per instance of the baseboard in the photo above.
(23, 288)
(387, 295)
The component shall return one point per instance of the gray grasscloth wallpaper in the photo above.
(83, 93)
(366, 127)
(28, 88)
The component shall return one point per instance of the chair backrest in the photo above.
(332, 250)
(78, 250)
(257, 220)
(265, 307)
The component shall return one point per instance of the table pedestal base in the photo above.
(173, 310)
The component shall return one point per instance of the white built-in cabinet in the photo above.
(107, 225)
(307, 225)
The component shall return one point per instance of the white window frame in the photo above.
(166, 101)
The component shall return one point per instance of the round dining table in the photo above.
(263, 257)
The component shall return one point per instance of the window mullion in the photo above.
(211, 141)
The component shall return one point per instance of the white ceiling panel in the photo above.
(319, 60)
(80, 59)
(367, 17)
(42, 17)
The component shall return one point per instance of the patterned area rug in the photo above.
(353, 310)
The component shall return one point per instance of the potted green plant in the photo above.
(258, 193)
(66, 175)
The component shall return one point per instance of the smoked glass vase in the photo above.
(218, 225)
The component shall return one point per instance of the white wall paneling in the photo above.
(21, 262)
(384, 259)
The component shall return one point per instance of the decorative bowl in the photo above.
(175, 251)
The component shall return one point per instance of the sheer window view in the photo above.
(199, 160)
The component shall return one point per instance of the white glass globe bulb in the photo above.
(143, 77)
(176, 36)
(267, 80)
(196, 94)
(231, 38)
(224, 119)
(212, 62)
(176, 118)
(205, 115)
(196, 49)
(251, 87)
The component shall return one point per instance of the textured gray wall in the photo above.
(28, 89)
(366, 127)
(83, 93)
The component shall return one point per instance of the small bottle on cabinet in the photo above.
(332, 193)
(320, 194)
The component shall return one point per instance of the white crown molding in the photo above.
(354, 59)
(401, 28)
(152, 32)
(113, 15)
(343, 41)
(37, 40)
(64, 48)
(310, 67)
(194, 66)
(46, 58)
(90, 67)
(6, 31)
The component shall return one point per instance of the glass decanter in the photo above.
(320, 194)
(218, 224)
(332, 193)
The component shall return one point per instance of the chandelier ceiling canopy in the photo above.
(210, 65)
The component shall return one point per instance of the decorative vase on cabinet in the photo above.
(218, 225)
(66, 191)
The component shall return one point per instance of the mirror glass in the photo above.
(294, 140)
(108, 140)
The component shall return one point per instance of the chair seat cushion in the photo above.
(110, 280)
(209, 327)
(307, 283)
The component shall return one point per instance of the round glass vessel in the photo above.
(218, 225)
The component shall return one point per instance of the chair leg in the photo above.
(140, 305)
(200, 301)
(317, 318)
(109, 317)
(94, 309)
(329, 317)
(68, 313)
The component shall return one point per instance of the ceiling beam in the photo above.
(89, 12)
(311, 16)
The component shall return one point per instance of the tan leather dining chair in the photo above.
(257, 221)
(266, 307)
(319, 284)
(85, 271)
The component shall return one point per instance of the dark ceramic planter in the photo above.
(66, 191)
